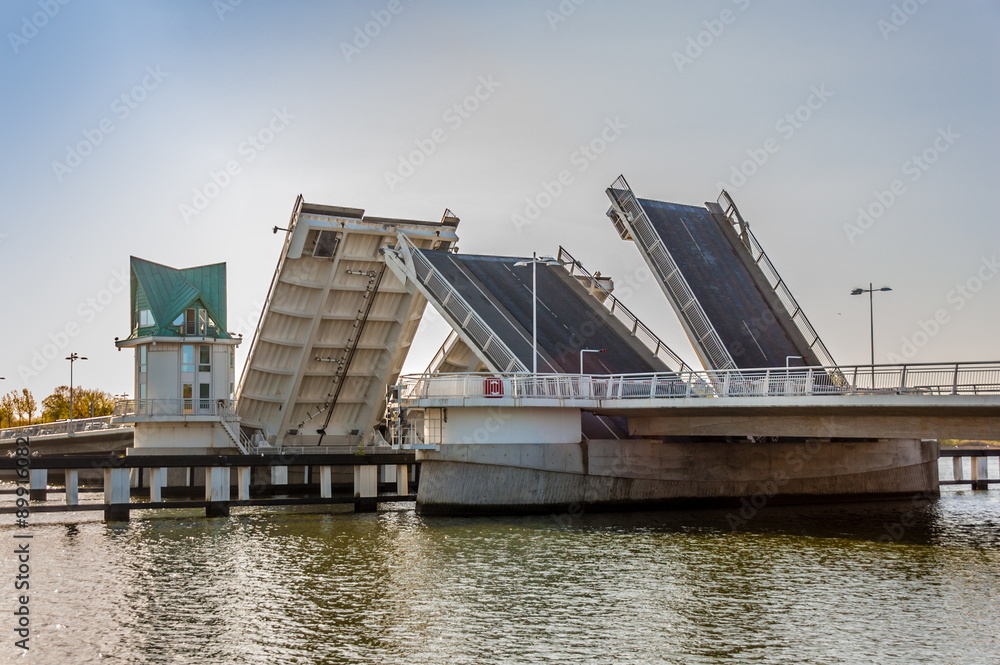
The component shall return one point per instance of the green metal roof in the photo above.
(167, 292)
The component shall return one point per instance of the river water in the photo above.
(908, 582)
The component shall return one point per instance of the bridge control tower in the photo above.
(184, 360)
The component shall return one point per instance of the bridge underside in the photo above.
(857, 423)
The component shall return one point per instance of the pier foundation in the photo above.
(366, 484)
(38, 481)
(72, 483)
(116, 494)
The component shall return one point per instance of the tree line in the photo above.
(21, 408)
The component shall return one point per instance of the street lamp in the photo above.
(583, 351)
(534, 261)
(72, 358)
(871, 316)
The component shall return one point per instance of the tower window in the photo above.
(204, 358)
(322, 244)
(187, 358)
(146, 318)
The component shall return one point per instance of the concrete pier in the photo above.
(365, 484)
(326, 482)
(116, 494)
(157, 481)
(72, 487)
(402, 479)
(38, 481)
(619, 474)
(217, 491)
(243, 483)
(279, 475)
(980, 473)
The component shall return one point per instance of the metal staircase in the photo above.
(344, 361)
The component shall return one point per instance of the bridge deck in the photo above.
(569, 319)
(723, 284)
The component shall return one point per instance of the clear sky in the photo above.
(121, 119)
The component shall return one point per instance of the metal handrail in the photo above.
(974, 378)
(195, 406)
(447, 297)
(629, 214)
(778, 286)
(77, 425)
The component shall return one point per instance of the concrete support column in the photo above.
(217, 491)
(116, 494)
(279, 475)
(39, 479)
(365, 485)
(135, 477)
(387, 473)
(243, 483)
(956, 467)
(326, 481)
(305, 475)
(980, 473)
(402, 473)
(72, 487)
(157, 481)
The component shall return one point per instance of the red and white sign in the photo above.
(493, 387)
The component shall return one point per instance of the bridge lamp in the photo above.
(583, 351)
(72, 358)
(534, 261)
(871, 316)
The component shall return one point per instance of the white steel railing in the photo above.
(628, 215)
(915, 379)
(223, 408)
(778, 286)
(445, 296)
(76, 425)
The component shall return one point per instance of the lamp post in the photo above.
(871, 316)
(583, 351)
(534, 261)
(72, 358)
